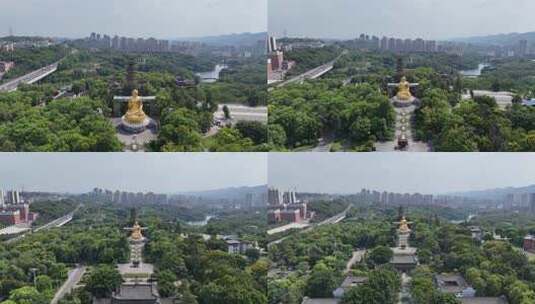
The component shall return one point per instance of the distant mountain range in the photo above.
(493, 194)
(227, 193)
(499, 39)
(243, 39)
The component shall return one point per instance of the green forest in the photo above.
(349, 106)
(312, 263)
(34, 267)
(356, 116)
(33, 119)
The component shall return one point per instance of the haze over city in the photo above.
(429, 173)
(156, 172)
(427, 19)
(165, 19)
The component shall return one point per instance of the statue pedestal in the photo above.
(136, 128)
(400, 103)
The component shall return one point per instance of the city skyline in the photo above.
(148, 172)
(162, 19)
(425, 173)
(346, 19)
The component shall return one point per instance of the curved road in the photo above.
(73, 279)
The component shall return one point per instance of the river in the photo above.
(212, 76)
(467, 220)
(475, 72)
(201, 223)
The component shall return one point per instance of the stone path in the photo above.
(404, 293)
(403, 124)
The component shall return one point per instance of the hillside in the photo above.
(499, 39)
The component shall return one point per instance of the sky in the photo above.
(428, 173)
(428, 19)
(133, 18)
(157, 172)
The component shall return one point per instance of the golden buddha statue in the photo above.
(136, 232)
(404, 226)
(404, 92)
(135, 114)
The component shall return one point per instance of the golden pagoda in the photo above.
(136, 235)
(135, 114)
(404, 92)
(136, 232)
(404, 226)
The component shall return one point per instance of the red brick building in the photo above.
(277, 59)
(23, 209)
(274, 216)
(529, 243)
(9, 218)
(291, 215)
(17, 214)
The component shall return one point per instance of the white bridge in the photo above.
(315, 73)
(311, 74)
(29, 78)
(57, 222)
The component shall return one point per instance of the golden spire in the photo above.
(136, 232)
(404, 92)
(135, 114)
(404, 226)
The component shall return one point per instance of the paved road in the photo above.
(310, 74)
(404, 293)
(73, 279)
(30, 77)
(405, 114)
(337, 218)
(356, 258)
(324, 145)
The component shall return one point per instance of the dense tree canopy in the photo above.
(32, 119)
(356, 114)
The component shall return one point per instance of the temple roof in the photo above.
(136, 292)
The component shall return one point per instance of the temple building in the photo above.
(134, 127)
(404, 96)
(454, 283)
(138, 286)
(529, 243)
(404, 258)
